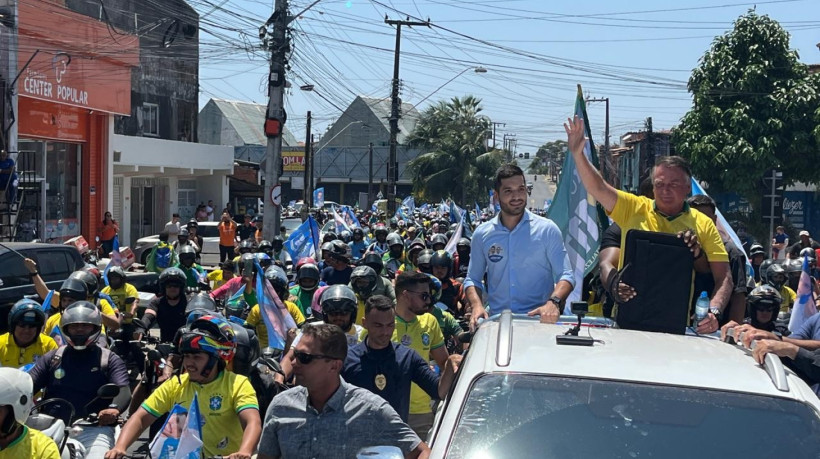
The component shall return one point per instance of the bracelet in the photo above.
(699, 255)
(34, 274)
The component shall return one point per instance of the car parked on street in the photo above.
(519, 393)
(210, 251)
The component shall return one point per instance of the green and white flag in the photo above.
(579, 217)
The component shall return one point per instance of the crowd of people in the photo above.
(375, 325)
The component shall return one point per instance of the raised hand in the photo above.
(576, 138)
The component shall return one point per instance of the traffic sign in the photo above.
(276, 195)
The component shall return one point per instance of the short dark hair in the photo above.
(163, 236)
(175, 215)
(377, 302)
(407, 278)
(506, 171)
(702, 200)
(332, 340)
(673, 161)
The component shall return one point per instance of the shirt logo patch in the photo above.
(222, 443)
(406, 340)
(496, 253)
(215, 402)
(425, 339)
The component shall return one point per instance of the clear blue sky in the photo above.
(638, 53)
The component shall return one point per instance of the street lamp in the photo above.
(474, 69)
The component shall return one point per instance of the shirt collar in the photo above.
(497, 219)
(336, 401)
(684, 210)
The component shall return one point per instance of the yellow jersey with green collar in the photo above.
(119, 295)
(255, 320)
(13, 356)
(423, 334)
(31, 443)
(220, 402)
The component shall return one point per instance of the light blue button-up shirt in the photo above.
(522, 265)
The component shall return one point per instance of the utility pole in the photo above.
(494, 125)
(604, 159)
(278, 43)
(308, 161)
(370, 177)
(312, 161)
(395, 107)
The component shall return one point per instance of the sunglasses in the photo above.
(304, 358)
(424, 295)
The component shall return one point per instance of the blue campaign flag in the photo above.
(350, 217)
(273, 311)
(455, 212)
(477, 211)
(424, 208)
(304, 241)
(319, 197)
(47, 303)
(804, 306)
(410, 203)
(190, 441)
(116, 259)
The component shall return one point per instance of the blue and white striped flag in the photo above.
(804, 307)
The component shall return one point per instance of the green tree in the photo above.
(551, 153)
(456, 161)
(756, 107)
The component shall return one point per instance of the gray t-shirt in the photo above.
(352, 419)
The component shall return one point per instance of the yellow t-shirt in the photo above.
(360, 311)
(31, 443)
(119, 295)
(789, 297)
(54, 320)
(638, 212)
(423, 335)
(220, 401)
(255, 320)
(216, 278)
(13, 356)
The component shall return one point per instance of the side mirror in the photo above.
(108, 391)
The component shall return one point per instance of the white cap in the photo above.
(805, 233)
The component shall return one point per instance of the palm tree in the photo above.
(453, 135)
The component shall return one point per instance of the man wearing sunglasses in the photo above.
(419, 330)
(387, 368)
(326, 417)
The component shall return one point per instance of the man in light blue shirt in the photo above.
(522, 254)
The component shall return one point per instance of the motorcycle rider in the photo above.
(168, 308)
(72, 290)
(279, 281)
(363, 283)
(413, 252)
(776, 277)
(76, 371)
(227, 401)
(358, 246)
(380, 245)
(394, 258)
(461, 260)
(124, 295)
(16, 439)
(339, 269)
(195, 275)
(25, 342)
(383, 284)
(280, 254)
(451, 289)
(307, 279)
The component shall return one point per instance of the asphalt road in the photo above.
(542, 190)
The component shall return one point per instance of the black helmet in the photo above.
(245, 259)
(279, 280)
(793, 266)
(341, 251)
(264, 246)
(442, 259)
(116, 271)
(75, 289)
(763, 297)
(764, 270)
(756, 249)
(247, 349)
(776, 276)
(358, 232)
(201, 301)
(423, 261)
(187, 252)
(330, 236)
(363, 280)
(380, 229)
(26, 311)
(808, 252)
(339, 299)
(308, 271)
(278, 242)
(438, 238)
(246, 246)
(394, 239)
(375, 261)
(183, 232)
(192, 223)
(172, 276)
(81, 312)
(463, 242)
(87, 277)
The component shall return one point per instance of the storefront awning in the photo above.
(241, 188)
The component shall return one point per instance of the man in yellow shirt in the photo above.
(125, 295)
(667, 213)
(419, 330)
(227, 401)
(74, 290)
(279, 281)
(16, 440)
(25, 342)
(219, 277)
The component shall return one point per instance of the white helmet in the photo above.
(16, 391)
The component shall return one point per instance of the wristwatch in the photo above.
(716, 312)
(556, 300)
